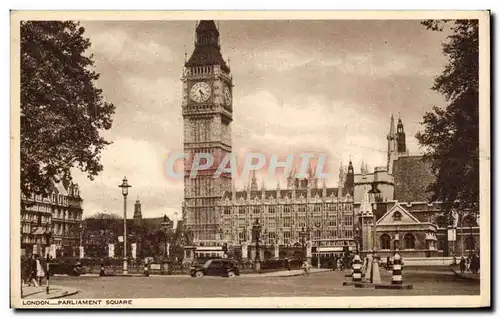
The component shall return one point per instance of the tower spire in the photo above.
(207, 46)
(392, 130)
(254, 182)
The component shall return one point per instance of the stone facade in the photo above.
(420, 230)
(207, 113)
(290, 217)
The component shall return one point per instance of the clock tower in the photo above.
(207, 114)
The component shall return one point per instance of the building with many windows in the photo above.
(53, 220)
(302, 212)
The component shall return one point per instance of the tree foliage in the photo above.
(104, 216)
(62, 111)
(451, 134)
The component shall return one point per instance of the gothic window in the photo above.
(333, 222)
(242, 235)
(317, 208)
(272, 235)
(227, 210)
(286, 237)
(287, 209)
(385, 242)
(242, 210)
(470, 243)
(348, 220)
(302, 208)
(287, 221)
(409, 240)
(272, 209)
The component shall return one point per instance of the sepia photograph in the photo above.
(250, 159)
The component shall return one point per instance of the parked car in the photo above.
(66, 268)
(216, 267)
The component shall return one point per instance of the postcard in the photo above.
(246, 159)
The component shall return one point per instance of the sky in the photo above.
(313, 86)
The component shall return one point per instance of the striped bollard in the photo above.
(356, 268)
(397, 277)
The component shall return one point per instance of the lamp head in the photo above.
(125, 186)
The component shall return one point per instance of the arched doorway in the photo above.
(409, 241)
(385, 242)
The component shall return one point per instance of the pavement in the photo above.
(55, 291)
(283, 273)
(467, 275)
(322, 284)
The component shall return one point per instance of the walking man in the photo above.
(462, 265)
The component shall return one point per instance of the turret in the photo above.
(349, 182)
(291, 179)
(253, 186)
(137, 212)
(401, 138)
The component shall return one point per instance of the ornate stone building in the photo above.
(404, 214)
(207, 112)
(53, 220)
(302, 212)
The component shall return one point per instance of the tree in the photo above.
(62, 112)
(451, 134)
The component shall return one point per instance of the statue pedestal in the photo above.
(244, 250)
(253, 252)
(257, 256)
(189, 254)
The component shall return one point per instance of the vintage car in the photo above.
(66, 268)
(216, 267)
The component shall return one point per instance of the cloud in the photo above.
(299, 86)
(118, 47)
(143, 163)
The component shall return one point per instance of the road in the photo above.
(319, 284)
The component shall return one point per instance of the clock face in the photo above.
(227, 95)
(200, 92)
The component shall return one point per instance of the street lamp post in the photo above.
(375, 197)
(125, 187)
(81, 234)
(302, 235)
(317, 226)
(80, 254)
(357, 238)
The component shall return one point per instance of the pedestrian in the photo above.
(305, 267)
(474, 264)
(288, 266)
(146, 268)
(40, 273)
(101, 272)
(462, 265)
